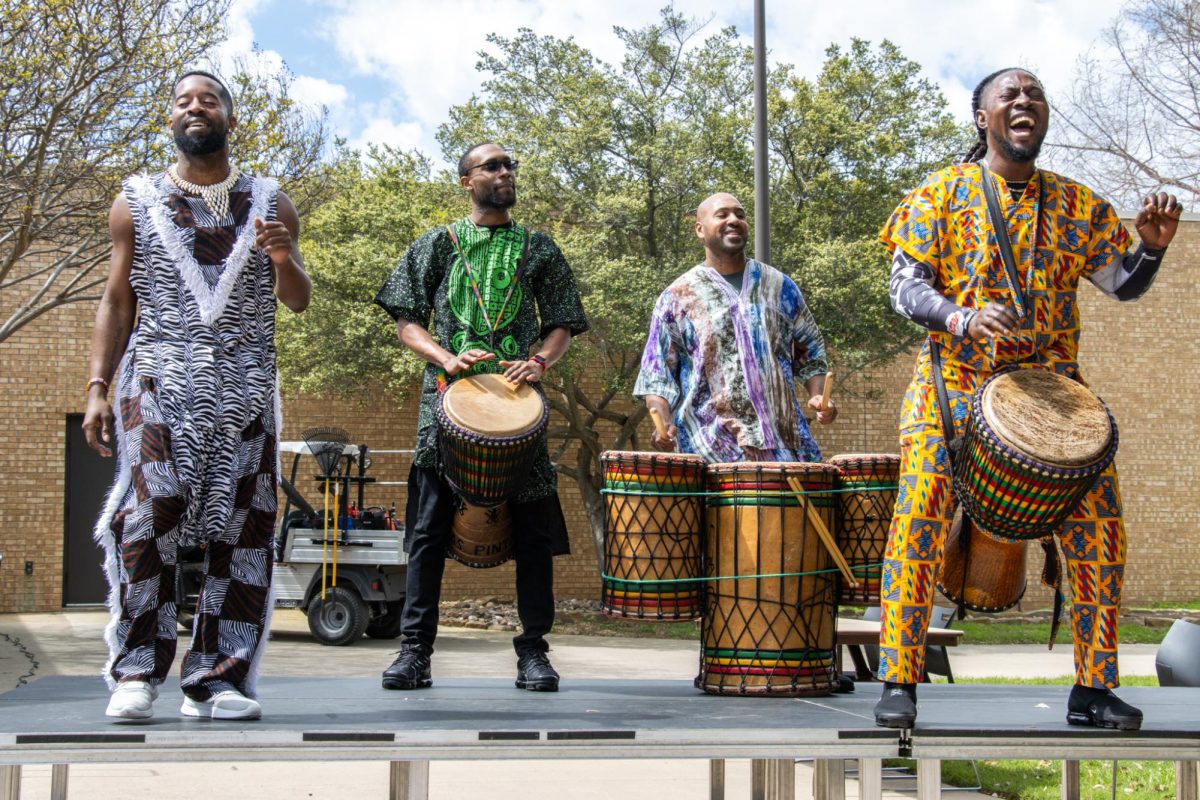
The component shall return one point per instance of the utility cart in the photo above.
(342, 563)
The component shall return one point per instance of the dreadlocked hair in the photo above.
(979, 148)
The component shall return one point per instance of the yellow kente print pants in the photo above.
(1093, 544)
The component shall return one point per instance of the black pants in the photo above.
(427, 535)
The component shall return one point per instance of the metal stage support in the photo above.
(59, 721)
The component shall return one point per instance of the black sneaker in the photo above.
(535, 673)
(1101, 708)
(898, 706)
(410, 670)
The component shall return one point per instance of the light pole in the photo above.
(762, 211)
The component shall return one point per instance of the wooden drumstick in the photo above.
(823, 533)
(659, 425)
(827, 390)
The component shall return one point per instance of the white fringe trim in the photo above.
(211, 302)
(103, 535)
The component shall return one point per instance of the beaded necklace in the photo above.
(214, 195)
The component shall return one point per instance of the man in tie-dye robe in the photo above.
(729, 340)
(948, 275)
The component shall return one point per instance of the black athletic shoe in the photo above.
(410, 670)
(535, 673)
(1102, 709)
(898, 706)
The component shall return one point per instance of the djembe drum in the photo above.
(770, 609)
(489, 432)
(654, 514)
(1034, 445)
(867, 487)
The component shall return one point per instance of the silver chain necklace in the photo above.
(214, 195)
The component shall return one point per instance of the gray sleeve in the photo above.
(1130, 277)
(914, 297)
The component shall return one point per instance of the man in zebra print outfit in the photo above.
(200, 252)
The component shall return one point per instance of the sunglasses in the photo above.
(495, 166)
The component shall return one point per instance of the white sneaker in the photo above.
(132, 700)
(222, 705)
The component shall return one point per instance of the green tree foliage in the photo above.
(350, 244)
(614, 159)
(846, 147)
(85, 89)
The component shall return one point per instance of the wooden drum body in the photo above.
(489, 432)
(989, 576)
(770, 609)
(867, 486)
(481, 536)
(654, 513)
(1035, 443)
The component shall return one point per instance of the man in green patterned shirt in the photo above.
(490, 303)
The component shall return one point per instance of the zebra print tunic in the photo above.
(205, 339)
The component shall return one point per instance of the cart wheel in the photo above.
(340, 618)
(387, 625)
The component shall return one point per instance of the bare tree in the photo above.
(83, 103)
(1132, 123)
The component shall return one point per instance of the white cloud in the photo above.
(397, 66)
(403, 135)
(319, 92)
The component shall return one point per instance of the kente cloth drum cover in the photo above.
(654, 518)
(867, 485)
(994, 568)
(770, 608)
(480, 536)
(1035, 443)
(489, 432)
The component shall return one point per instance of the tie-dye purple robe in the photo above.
(729, 364)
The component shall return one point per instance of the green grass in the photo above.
(1037, 633)
(973, 632)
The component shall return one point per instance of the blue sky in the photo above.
(388, 70)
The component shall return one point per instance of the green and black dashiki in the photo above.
(430, 279)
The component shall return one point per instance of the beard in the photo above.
(494, 199)
(200, 145)
(1020, 154)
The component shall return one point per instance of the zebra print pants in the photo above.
(233, 608)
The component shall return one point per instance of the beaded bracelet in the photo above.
(93, 382)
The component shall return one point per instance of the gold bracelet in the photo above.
(88, 390)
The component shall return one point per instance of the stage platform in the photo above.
(60, 721)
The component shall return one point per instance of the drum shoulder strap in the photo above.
(943, 398)
(1000, 229)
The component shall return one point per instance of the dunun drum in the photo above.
(866, 498)
(654, 512)
(489, 432)
(1035, 443)
(988, 577)
(770, 609)
(481, 537)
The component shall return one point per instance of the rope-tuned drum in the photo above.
(1035, 443)
(654, 514)
(867, 485)
(770, 609)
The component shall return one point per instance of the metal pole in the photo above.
(762, 211)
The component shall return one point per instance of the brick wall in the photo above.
(1141, 358)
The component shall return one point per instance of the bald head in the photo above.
(710, 204)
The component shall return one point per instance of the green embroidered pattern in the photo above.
(493, 256)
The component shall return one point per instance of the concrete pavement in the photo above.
(70, 643)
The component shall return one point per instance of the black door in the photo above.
(88, 479)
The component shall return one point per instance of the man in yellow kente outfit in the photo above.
(949, 276)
